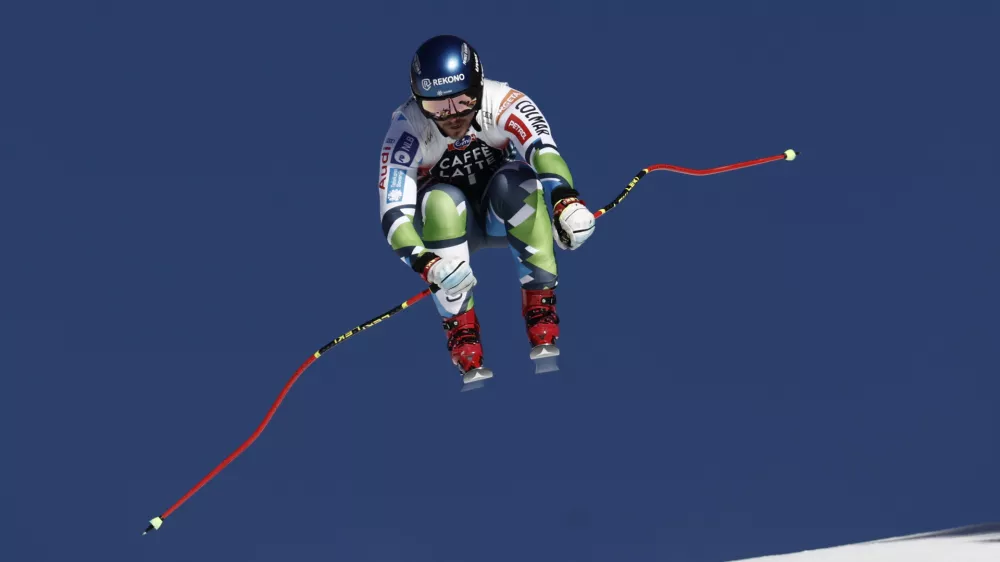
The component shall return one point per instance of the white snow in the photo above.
(977, 543)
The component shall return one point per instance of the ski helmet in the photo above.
(445, 67)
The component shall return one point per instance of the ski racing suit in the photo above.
(450, 198)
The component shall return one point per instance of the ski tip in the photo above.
(790, 154)
(154, 525)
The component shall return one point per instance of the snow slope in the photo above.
(976, 543)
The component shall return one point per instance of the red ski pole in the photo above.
(156, 522)
(786, 155)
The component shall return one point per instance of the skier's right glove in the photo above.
(572, 223)
(453, 275)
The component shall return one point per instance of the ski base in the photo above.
(546, 358)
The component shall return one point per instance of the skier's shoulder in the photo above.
(408, 119)
(498, 98)
(406, 115)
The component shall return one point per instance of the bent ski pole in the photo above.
(786, 155)
(156, 522)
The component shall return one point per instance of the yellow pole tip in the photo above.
(790, 154)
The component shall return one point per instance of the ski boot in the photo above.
(539, 310)
(466, 349)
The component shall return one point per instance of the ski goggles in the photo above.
(448, 108)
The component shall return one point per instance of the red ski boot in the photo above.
(466, 349)
(539, 310)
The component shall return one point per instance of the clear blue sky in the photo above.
(787, 357)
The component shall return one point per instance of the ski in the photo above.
(476, 378)
(546, 358)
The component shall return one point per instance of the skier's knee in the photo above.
(511, 184)
(511, 175)
(443, 212)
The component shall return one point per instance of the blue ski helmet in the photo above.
(445, 66)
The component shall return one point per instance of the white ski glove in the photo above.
(453, 275)
(572, 223)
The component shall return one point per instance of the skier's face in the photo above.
(456, 127)
(453, 115)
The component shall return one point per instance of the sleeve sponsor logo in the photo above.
(384, 169)
(397, 180)
(512, 96)
(406, 149)
(531, 113)
(518, 128)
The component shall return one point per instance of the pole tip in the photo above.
(154, 525)
(790, 154)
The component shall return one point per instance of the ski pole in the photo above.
(786, 155)
(156, 522)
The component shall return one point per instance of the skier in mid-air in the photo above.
(467, 164)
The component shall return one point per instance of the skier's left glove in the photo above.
(572, 223)
(453, 275)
